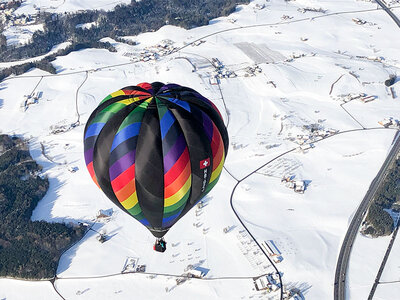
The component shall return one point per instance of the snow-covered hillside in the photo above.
(285, 92)
(61, 6)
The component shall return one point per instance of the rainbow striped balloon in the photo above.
(155, 150)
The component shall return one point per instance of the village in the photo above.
(8, 17)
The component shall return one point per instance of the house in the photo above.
(299, 186)
(386, 122)
(262, 284)
(104, 213)
(268, 282)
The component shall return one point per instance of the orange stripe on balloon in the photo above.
(175, 186)
(126, 191)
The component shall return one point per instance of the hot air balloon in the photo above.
(155, 150)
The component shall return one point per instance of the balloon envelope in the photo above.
(155, 150)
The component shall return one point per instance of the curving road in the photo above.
(344, 255)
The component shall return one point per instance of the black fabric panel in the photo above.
(102, 149)
(89, 142)
(214, 116)
(156, 86)
(188, 95)
(149, 169)
(158, 233)
(199, 149)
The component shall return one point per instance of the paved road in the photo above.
(344, 255)
(389, 12)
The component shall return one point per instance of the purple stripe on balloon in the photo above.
(89, 156)
(208, 127)
(168, 86)
(122, 164)
(174, 153)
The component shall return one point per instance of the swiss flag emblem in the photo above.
(204, 163)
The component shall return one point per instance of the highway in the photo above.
(344, 255)
(389, 12)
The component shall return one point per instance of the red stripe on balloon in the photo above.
(177, 168)
(123, 179)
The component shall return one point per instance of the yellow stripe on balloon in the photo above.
(179, 194)
(129, 100)
(218, 170)
(130, 202)
(117, 93)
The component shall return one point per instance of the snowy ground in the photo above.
(21, 34)
(61, 6)
(389, 283)
(263, 120)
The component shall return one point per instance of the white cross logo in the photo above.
(205, 163)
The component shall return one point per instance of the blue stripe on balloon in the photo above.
(185, 105)
(144, 222)
(94, 129)
(126, 133)
(166, 122)
(166, 222)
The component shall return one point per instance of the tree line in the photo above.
(28, 249)
(378, 221)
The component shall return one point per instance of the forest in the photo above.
(124, 20)
(378, 221)
(28, 249)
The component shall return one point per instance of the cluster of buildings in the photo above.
(163, 48)
(252, 71)
(306, 9)
(371, 57)
(299, 186)
(313, 132)
(219, 72)
(359, 21)
(390, 123)
(31, 99)
(362, 97)
(268, 282)
(57, 129)
(132, 266)
(198, 43)
(294, 56)
(8, 17)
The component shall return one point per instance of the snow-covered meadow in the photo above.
(269, 114)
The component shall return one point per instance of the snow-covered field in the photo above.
(61, 6)
(265, 114)
(21, 34)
